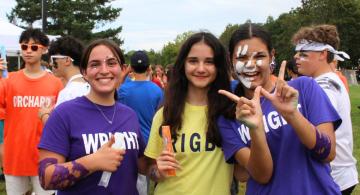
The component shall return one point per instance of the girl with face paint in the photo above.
(279, 119)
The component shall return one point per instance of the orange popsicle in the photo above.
(168, 145)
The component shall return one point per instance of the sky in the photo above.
(150, 24)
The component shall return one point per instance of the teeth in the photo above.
(250, 73)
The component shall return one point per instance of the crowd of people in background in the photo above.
(88, 122)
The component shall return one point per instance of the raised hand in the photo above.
(166, 161)
(107, 158)
(247, 111)
(285, 97)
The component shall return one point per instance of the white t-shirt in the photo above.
(73, 89)
(344, 165)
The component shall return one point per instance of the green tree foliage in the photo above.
(345, 14)
(171, 49)
(226, 35)
(79, 18)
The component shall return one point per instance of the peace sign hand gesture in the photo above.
(285, 97)
(247, 111)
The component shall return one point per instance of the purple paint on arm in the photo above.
(42, 167)
(322, 147)
(63, 176)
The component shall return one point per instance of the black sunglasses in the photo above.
(33, 47)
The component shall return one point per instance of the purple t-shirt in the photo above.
(295, 170)
(77, 128)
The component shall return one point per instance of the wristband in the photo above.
(322, 146)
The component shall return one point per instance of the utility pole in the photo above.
(43, 15)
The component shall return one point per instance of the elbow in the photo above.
(330, 157)
(264, 174)
(263, 177)
(43, 182)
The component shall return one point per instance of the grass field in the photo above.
(355, 115)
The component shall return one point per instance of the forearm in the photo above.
(303, 128)
(260, 164)
(54, 175)
(154, 173)
(321, 138)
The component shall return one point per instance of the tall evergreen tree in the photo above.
(84, 19)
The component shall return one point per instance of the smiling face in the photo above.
(200, 69)
(103, 71)
(251, 60)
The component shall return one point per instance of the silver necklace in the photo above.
(105, 117)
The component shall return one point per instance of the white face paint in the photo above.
(303, 59)
(246, 66)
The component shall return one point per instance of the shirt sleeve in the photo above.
(121, 95)
(230, 138)
(155, 145)
(318, 108)
(56, 135)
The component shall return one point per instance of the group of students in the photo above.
(278, 136)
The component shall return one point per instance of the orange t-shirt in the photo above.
(343, 79)
(21, 98)
(273, 78)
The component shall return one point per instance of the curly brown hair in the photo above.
(323, 33)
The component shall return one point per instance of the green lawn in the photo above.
(355, 115)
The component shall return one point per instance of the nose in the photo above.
(250, 63)
(104, 68)
(201, 67)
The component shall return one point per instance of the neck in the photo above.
(197, 97)
(323, 68)
(140, 76)
(71, 72)
(104, 100)
(34, 70)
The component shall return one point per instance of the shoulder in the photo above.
(70, 104)
(304, 83)
(329, 82)
(16, 74)
(300, 81)
(51, 76)
(125, 109)
(159, 115)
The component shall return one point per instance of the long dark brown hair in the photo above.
(177, 89)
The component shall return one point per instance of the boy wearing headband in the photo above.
(316, 48)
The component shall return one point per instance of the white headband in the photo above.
(305, 45)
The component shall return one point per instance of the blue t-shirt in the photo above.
(145, 98)
(77, 128)
(295, 170)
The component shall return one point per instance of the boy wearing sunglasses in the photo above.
(23, 93)
(65, 55)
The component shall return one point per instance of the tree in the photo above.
(171, 49)
(226, 35)
(78, 18)
(345, 14)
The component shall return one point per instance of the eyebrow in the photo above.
(96, 60)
